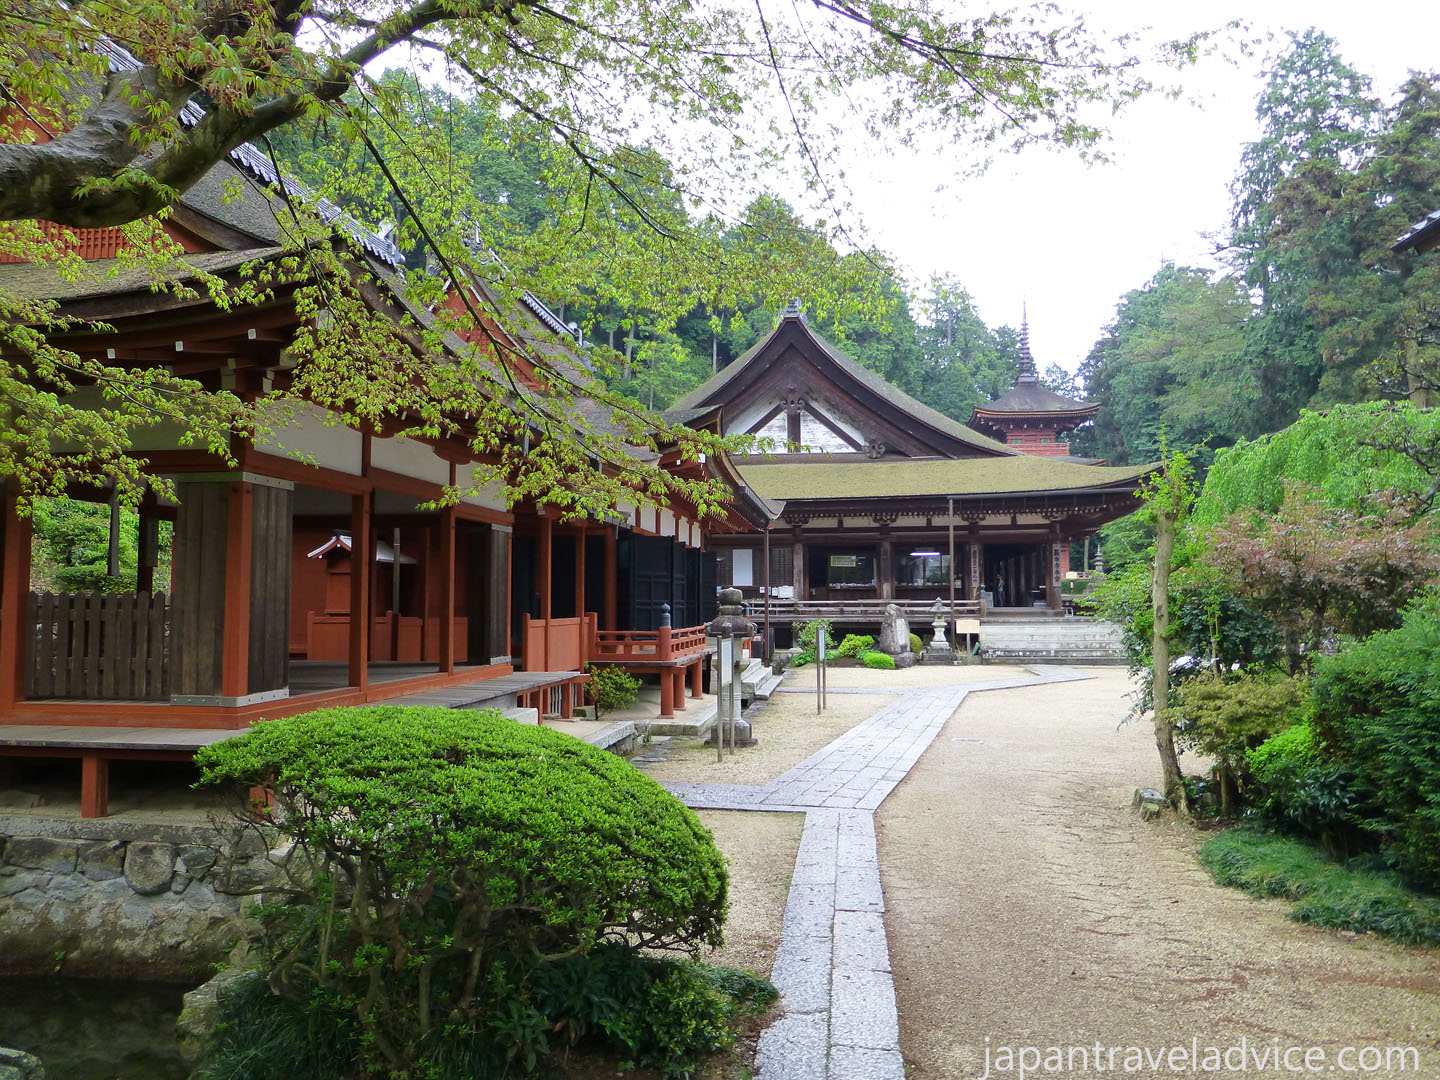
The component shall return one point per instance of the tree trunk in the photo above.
(1160, 649)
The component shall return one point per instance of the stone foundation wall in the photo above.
(102, 898)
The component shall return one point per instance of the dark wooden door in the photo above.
(651, 579)
(709, 607)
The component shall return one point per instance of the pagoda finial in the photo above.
(1027, 362)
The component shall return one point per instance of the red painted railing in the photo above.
(667, 643)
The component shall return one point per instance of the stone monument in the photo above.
(894, 637)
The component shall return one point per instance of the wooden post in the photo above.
(697, 679)
(112, 552)
(360, 591)
(767, 643)
(801, 572)
(94, 785)
(14, 587)
(953, 565)
(612, 576)
(677, 676)
(239, 536)
(886, 570)
(447, 578)
(667, 695)
(147, 545)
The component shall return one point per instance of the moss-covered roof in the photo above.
(1019, 475)
(708, 391)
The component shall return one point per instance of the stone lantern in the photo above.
(939, 651)
(938, 612)
(730, 625)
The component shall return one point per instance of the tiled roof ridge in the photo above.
(258, 165)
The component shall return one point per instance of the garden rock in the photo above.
(18, 1065)
(1150, 803)
(201, 1011)
(894, 632)
(149, 867)
(906, 659)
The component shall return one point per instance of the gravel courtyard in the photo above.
(1028, 905)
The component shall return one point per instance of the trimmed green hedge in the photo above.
(454, 851)
(880, 660)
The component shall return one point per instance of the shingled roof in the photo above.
(1024, 474)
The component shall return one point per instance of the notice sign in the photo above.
(844, 560)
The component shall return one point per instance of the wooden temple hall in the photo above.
(316, 572)
(885, 499)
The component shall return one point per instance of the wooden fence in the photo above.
(103, 646)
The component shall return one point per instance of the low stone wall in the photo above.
(105, 898)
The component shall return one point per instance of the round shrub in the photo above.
(916, 645)
(611, 687)
(880, 660)
(855, 645)
(455, 851)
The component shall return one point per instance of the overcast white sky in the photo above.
(1072, 239)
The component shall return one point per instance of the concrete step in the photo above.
(765, 688)
(696, 721)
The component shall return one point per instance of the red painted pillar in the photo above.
(94, 785)
(14, 588)
(697, 679)
(667, 694)
(677, 676)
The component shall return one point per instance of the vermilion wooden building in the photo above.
(313, 573)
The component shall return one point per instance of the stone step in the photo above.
(695, 722)
(765, 688)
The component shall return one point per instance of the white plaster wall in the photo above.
(409, 458)
(816, 436)
(305, 436)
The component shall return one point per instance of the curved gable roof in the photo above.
(713, 391)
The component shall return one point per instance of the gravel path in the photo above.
(1027, 905)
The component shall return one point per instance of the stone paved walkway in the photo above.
(833, 964)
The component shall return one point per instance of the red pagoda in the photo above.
(1031, 418)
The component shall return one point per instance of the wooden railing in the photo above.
(104, 646)
(654, 646)
(848, 610)
(554, 644)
